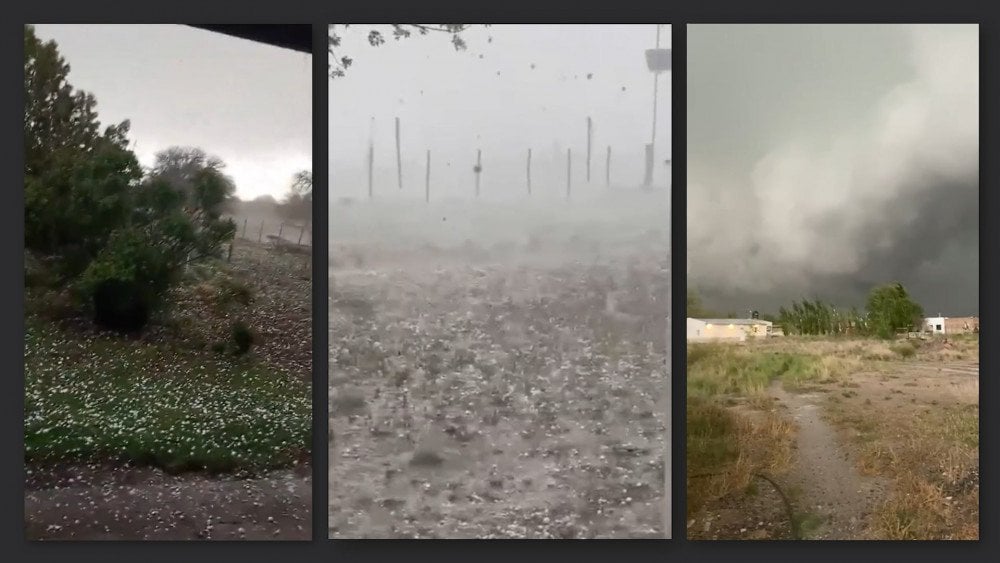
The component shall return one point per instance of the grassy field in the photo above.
(101, 398)
(904, 414)
(170, 434)
(175, 397)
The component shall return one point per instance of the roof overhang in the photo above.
(297, 37)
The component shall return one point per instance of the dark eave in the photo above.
(295, 37)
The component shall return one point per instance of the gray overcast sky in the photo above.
(248, 103)
(825, 159)
(455, 102)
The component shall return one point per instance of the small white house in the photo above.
(696, 330)
(733, 330)
(934, 325)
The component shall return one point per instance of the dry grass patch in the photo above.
(726, 447)
(932, 455)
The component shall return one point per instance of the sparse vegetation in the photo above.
(726, 448)
(907, 412)
(904, 349)
(720, 369)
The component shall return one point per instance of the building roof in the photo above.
(296, 37)
(736, 321)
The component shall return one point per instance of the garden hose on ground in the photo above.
(793, 522)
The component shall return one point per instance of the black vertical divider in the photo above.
(678, 281)
(989, 123)
(320, 285)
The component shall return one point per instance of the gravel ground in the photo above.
(503, 392)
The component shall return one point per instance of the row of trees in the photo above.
(889, 309)
(816, 317)
(117, 235)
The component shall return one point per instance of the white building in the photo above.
(934, 325)
(951, 325)
(733, 330)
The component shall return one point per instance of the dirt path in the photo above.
(831, 498)
(102, 504)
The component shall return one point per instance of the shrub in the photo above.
(229, 290)
(121, 305)
(904, 349)
(39, 273)
(242, 338)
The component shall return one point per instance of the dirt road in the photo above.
(102, 503)
(886, 451)
(831, 497)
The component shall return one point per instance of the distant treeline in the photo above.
(295, 206)
(889, 309)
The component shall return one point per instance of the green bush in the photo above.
(242, 338)
(229, 290)
(126, 281)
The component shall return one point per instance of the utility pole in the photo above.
(399, 159)
(658, 60)
(371, 157)
(479, 168)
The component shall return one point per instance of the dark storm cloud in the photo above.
(850, 159)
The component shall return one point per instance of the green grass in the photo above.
(711, 437)
(715, 369)
(726, 448)
(106, 398)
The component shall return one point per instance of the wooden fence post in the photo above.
(589, 128)
(529, 172)
(260, 233)
(607, 167)
(399, 158)
(569, 168)
(479, 168)
(371, 163)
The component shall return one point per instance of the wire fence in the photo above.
(278, 233)
(584, 165)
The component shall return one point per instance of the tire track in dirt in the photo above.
(824, 479)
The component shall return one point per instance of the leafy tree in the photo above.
(142, 260)
(890, 308)
(56, 117)
(77, 179)
(297, 204)
(399, 31)
(119, 240)
(189, 169)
